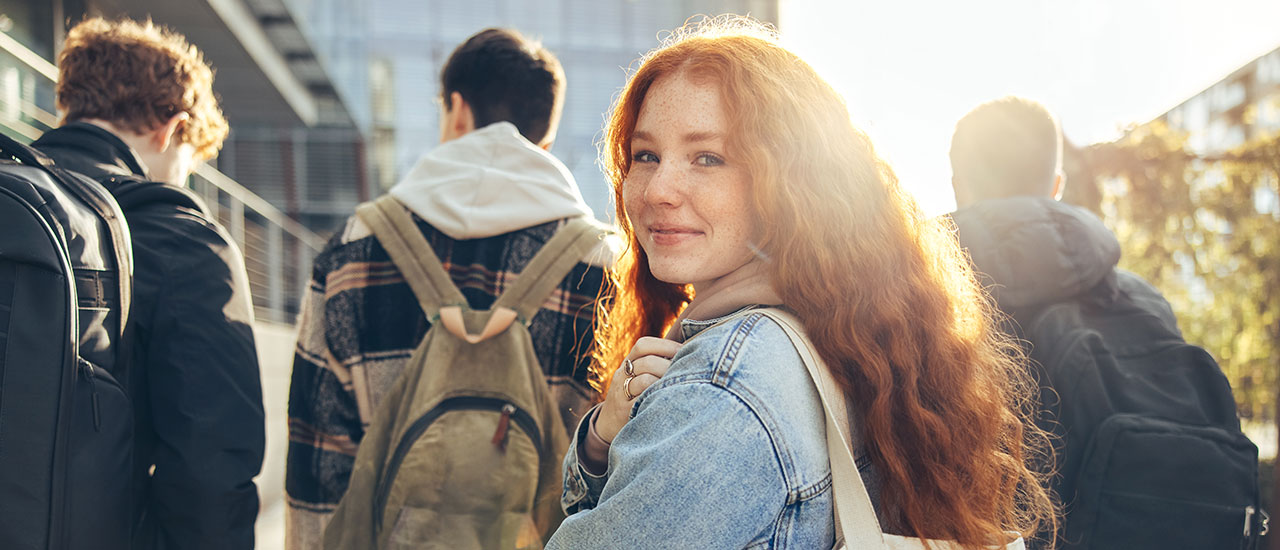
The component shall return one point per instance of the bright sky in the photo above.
(911, 69)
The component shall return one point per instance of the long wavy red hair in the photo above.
(884, 292)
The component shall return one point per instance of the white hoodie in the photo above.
(489, 182)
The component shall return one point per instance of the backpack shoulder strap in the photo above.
(395, 229)
(133, 193)
(550, 266)
(97, 200)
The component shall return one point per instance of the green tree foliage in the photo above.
(1205, 230)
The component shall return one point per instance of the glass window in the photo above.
(30, 23)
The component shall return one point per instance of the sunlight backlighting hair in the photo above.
(136, 75)
(884, 292)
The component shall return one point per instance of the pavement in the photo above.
(275, 357)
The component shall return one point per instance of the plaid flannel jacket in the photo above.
(359, 324)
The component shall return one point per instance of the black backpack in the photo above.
(66, 419)
(1149, 451)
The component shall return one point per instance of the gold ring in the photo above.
(626, 387)
(629, 367)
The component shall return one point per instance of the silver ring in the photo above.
(629, 367)
(626, 387)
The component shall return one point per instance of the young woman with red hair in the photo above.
(740, 182)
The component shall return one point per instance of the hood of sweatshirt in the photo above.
(1036, 250)
(489, 182)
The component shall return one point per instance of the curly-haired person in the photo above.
(139, 112)
(742, 187)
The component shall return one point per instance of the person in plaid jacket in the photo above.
(486, 200)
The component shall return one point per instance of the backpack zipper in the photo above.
(500, 435)
(87, 368)
(509, 412)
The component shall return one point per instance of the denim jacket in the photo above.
(727, 450)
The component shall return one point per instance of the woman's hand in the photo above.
(649, 360)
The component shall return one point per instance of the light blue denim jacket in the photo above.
(727, 450)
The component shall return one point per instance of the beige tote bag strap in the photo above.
(395, 229)
(856, 521)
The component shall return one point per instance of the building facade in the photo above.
(1240, 108)
(330, 101)
(385, 56)
(292, 141)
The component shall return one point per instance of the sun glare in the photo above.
(910, 70)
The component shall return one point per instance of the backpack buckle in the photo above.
(1252, 515)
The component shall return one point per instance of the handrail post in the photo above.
(235, 221)
(275, 272)
(210, 195)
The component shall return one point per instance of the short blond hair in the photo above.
(136, 75)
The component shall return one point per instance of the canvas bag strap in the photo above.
(395, 229)
(856, 521)
(549, 267)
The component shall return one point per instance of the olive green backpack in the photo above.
(464, 451)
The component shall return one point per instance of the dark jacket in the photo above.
(194, 375)
(1038, 251)
(1033, 253)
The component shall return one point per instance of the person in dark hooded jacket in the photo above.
(1006, 162)
(1036, 254)
(193, 377)
(1032, 249)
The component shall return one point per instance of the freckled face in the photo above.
(686, 195)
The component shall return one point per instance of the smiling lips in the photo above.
(668, 235)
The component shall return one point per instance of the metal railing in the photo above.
(278, 251)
